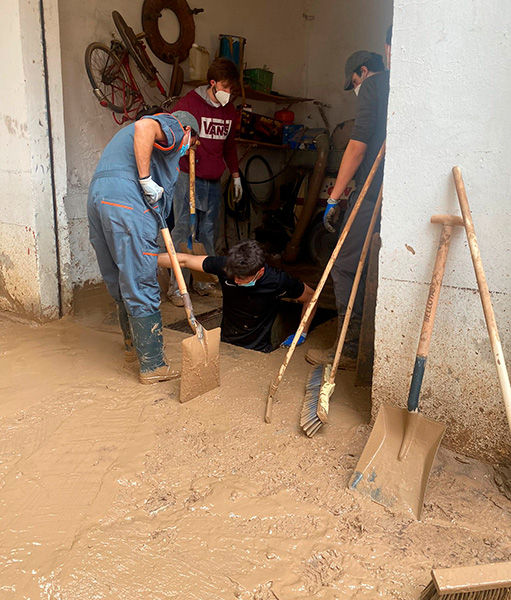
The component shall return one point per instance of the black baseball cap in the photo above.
(356, 60)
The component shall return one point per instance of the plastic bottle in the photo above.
(199, 62)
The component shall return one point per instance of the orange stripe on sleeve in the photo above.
(114, 204)
(149, 254)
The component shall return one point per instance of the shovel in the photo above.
(396, 462)
(200, 370)
(194, 247)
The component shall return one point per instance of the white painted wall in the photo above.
(335, 31)
(449, 105)
(29, 280)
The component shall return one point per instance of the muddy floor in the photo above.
(114, 490)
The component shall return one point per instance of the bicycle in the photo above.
(111, 77)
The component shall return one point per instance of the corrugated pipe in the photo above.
(292, 249)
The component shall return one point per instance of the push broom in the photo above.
(321, 383)
(480, 582)
(276, 382)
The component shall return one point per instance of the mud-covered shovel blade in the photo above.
(380, 474)
(200, 371)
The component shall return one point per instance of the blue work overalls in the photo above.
(123, 230)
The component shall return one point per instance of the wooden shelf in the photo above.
(251, 94)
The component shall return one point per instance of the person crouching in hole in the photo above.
(251, 293)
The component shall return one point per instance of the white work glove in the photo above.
(152, 191)
(238, 189)
(331, 214)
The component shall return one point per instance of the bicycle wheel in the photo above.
(108, 78)
(135, 48)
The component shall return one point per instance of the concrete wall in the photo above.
(30, 278)
(449, 105)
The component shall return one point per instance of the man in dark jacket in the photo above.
(365, 75)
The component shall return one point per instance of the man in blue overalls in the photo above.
(141, 160)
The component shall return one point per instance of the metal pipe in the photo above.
(292, 249)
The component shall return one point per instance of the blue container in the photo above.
(232, 47)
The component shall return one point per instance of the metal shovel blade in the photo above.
(200, 370)
(386, 479)
(198, 250)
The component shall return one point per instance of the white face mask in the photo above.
(357, 89)
(221, 96)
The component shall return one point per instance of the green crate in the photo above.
(260, 80)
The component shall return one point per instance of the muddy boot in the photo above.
(148, 341)
(129, 352)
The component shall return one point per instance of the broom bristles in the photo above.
(317, 397)
(431, 593)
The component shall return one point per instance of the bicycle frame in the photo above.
(139, 101)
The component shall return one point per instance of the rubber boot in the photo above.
(348, 362)
(148, 341)
(129, 352)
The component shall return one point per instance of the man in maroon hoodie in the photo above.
(216, 116)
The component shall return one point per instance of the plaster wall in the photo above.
(29, 282)
(449, 105)
(335, 31)
(275, 35)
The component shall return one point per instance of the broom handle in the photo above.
(489, 315)
(193, 218)
(274, 386)
(354, 289)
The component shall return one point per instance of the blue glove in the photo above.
(289, 340)
(331, 214)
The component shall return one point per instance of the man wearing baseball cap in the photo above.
(364, 74)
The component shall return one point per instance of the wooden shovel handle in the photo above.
(176, 267)
(489, 315)
(276, 382)
(191, 156)
(354, 289)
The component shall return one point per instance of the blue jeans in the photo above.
(207, 208)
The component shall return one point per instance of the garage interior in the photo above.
(108, 490)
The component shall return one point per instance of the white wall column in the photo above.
(33, 277)
(449, 105)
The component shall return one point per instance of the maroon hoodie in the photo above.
(217, 135)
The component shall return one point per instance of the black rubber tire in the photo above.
(134, 47)
(107, 75)
(321, 242)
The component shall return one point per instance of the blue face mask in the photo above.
(184, 149)
(250, 283)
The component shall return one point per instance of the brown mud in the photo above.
(114, 490)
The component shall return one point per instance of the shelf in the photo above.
(251, 94)
(264, 144)
(274, 97)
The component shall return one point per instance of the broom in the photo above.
(321, 382)
(276, 382)
(481, 582)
